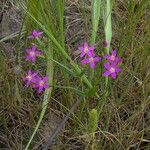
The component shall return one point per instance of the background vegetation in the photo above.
(112, 117)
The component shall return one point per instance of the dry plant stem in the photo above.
(58, 129)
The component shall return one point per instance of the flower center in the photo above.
(91, 59)
(32, 54)
(41, 83)
(86, 49)
(29, 77)
(112, 70)
(112, 57)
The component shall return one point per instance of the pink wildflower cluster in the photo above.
(32, 78)
(111, 65)
(89, 55)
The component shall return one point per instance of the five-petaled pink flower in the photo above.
(111, 69)
(113, 57)
(86, 50)
(35, 34)
(91, 60)
(41, 83)
(29, 79)
(32, 53)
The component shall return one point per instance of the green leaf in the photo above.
(93, 121)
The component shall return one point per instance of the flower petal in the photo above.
(118, 70)
(86, 45)
(38, 53)
(106, 56)
(97, 59)
(39, 33)
(28, 50)
(81, 48)
(114, 52)
(85, 61)
(45, 78)
(113, 75)
(40, 89)
(28, 58)
(92, 65)
(107, 66)
(33, 59)
(82, 54)
(91, 48)
(33, 47)
(46, 86)
(91, 53)
(106, 73)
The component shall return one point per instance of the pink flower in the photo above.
(30, 77)
(35, 34)
(105, 44)
(86, 50)
(32, 53)
(112, 70)
(91, 60)
(41, 83)
(113, 57)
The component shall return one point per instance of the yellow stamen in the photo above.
(86, 49)
(41, 83)
(32, 53)
(112, 70)
(91, 59)
(29, 77)
(112, 58)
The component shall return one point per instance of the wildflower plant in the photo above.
(32, 78)
(32, 53)
(89, 54)
(35, 34)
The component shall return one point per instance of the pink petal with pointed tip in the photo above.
(118, 70)
(107, 66)
(114, 52)
(82, 54)
(106, 73)
(97, 59)
(28, 50)
(40, 89)
(106, 56)
(86, 44)
(91, 48)
(85, 61)
(92, 65)
(81, 48)
(113, 75)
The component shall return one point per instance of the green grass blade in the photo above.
(107, 23)
(96, 4)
